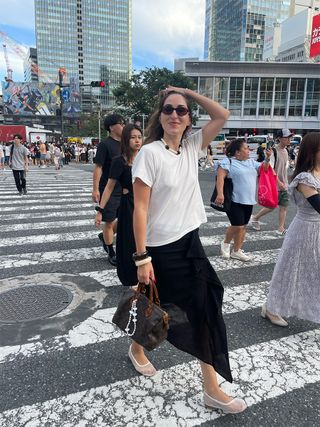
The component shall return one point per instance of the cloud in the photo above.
(161, 31)
(17, 13)
(168, 29)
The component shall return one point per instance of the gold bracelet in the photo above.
(143, 261)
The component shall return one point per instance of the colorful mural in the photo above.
(43, 99)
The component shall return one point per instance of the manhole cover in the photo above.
(33, 302)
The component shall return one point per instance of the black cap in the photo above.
(111, 120)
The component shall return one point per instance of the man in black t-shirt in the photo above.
(106, 151)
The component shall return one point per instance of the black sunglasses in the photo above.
(180, 110)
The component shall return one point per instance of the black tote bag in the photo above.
(227, 192)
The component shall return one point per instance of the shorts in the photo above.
(283, 198)
(239, 214)
(110, 212)
(43, 156)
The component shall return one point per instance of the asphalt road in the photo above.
(72, 369)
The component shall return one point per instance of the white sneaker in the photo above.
(254, 223)
(225, 250)
(240, 255)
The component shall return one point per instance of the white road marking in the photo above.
(39, 258)
(261, 372)
(99, 327)
(92, 234)
(48, 207)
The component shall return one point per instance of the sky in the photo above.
(162, 30)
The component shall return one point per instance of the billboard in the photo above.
(315, 37)
(41, 99)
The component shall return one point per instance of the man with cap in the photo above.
(281, 163)
(106, 151)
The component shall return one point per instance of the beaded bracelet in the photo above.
(139, 256)
(143, 261)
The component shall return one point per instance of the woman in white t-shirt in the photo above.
(168, 210)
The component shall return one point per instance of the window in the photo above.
(250, 96)
(312, 98)
(266, 92)
(280, 97)
(296, 97)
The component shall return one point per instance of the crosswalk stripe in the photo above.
(47, 214)
(261, 371)
(99, 327)
(92, 234)
(66, 255)
(27, 201)
(52, 224)
(52, 207)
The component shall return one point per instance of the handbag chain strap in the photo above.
(132, 318)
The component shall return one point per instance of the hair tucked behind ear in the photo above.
(154, 130)
(125, 141)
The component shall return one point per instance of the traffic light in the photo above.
(98, 84)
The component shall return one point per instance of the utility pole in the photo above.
(61, 102)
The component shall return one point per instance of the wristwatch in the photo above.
(98, 209)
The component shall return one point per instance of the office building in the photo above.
(91, 39)
(261, 97)
(290, 40)
(30, 66)
(235, 29)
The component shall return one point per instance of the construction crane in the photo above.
(9, 69)
(22, 54)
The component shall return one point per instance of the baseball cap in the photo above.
(284, 133)
(113, 119)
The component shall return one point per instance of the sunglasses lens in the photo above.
(167, 109)
(182, 111)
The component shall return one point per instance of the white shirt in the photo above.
(176, 205)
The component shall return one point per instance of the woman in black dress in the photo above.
(168, 210)
(131, 141)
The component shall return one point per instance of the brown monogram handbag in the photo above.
(141, 317)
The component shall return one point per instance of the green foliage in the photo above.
(86, 125)
(139, 95)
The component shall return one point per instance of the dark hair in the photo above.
(17, 135)
(126, 151)
(154, 129)
(308, 149)
(111, 120)
(233, 146)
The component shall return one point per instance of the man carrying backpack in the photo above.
(19, 163)
(281, 163)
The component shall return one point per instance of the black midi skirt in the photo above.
(191, 292)
(126, 269)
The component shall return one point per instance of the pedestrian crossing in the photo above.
(72, 370)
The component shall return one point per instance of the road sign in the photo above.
(66, 94)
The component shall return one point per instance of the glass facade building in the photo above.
(235, 29)
(260, 95)
(91, 39)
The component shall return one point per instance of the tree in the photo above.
(139, 95)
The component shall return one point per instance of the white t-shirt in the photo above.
(176, 205)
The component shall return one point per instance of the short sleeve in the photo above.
(195, 140)
(255, 164)
(225, 164)
(102, 153)
(116, 168)
(144, 167)
(303, 178)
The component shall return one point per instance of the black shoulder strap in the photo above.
(11, 151)
(275, 156)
